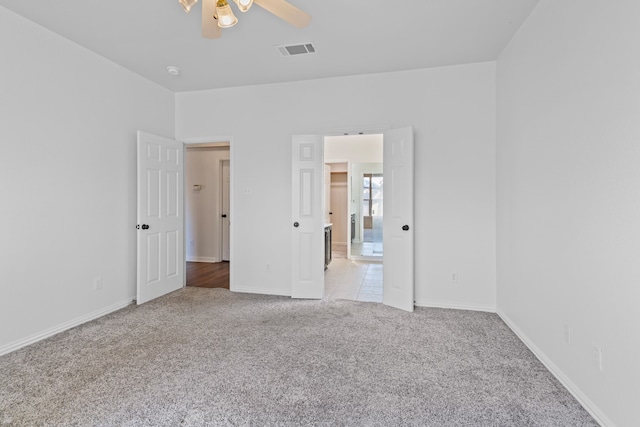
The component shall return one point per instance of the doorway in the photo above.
(207, 215)
(309, 233)
(367, 192)
(354, 205)
(360, 157)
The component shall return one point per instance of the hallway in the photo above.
(208, 275)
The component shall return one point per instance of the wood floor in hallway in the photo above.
(208, 275)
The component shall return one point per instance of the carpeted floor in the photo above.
(202, 357)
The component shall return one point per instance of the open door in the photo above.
(307, 217)
(160, 216)
(226, 211)
(398, 219)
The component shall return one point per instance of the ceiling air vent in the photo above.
(296, 49)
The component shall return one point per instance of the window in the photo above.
(372, 195)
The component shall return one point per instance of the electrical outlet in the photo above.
(597, 357)
(567, 334)
(97, 283)
(454, 278)
(268, 267)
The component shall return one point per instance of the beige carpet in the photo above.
(201, 357)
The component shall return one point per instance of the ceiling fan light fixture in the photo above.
(244, 5)
(187, 4)
(226, 18)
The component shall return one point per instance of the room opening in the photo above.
(207, 215)
(353, 216)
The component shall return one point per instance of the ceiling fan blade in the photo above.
(286, 11)
(210, 29)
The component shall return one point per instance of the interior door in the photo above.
(398, 219)
(307, 217)
(160, 216)
(226, 220)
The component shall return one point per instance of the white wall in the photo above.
(68, 172)
(569, 195)
(452, 110)
(202, 208)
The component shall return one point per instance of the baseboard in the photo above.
(202, 259)
(454, 305)
(586, 403)
(63, 327)
(250, 290)
(372, 259)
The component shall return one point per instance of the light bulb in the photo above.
(243, 5)
(226, 18)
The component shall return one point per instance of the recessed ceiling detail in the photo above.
(296, 49)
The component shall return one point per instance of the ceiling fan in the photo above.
(217, 14)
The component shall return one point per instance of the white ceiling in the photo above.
(351, 37)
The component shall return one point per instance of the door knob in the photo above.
(145, 226)
(405, 227)
(296, 224)
(224, 215)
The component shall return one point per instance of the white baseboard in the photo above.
(587, 403)
(371, 259)
(250, 290)
(63, 327)
(202, 259)
(454, 305)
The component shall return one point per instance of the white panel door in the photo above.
(307, 217)
(160, 216)
(226, 219)
(398, 219)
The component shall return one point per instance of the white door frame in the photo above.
(203, 141)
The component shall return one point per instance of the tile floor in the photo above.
(366, 249)
(353, 280)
